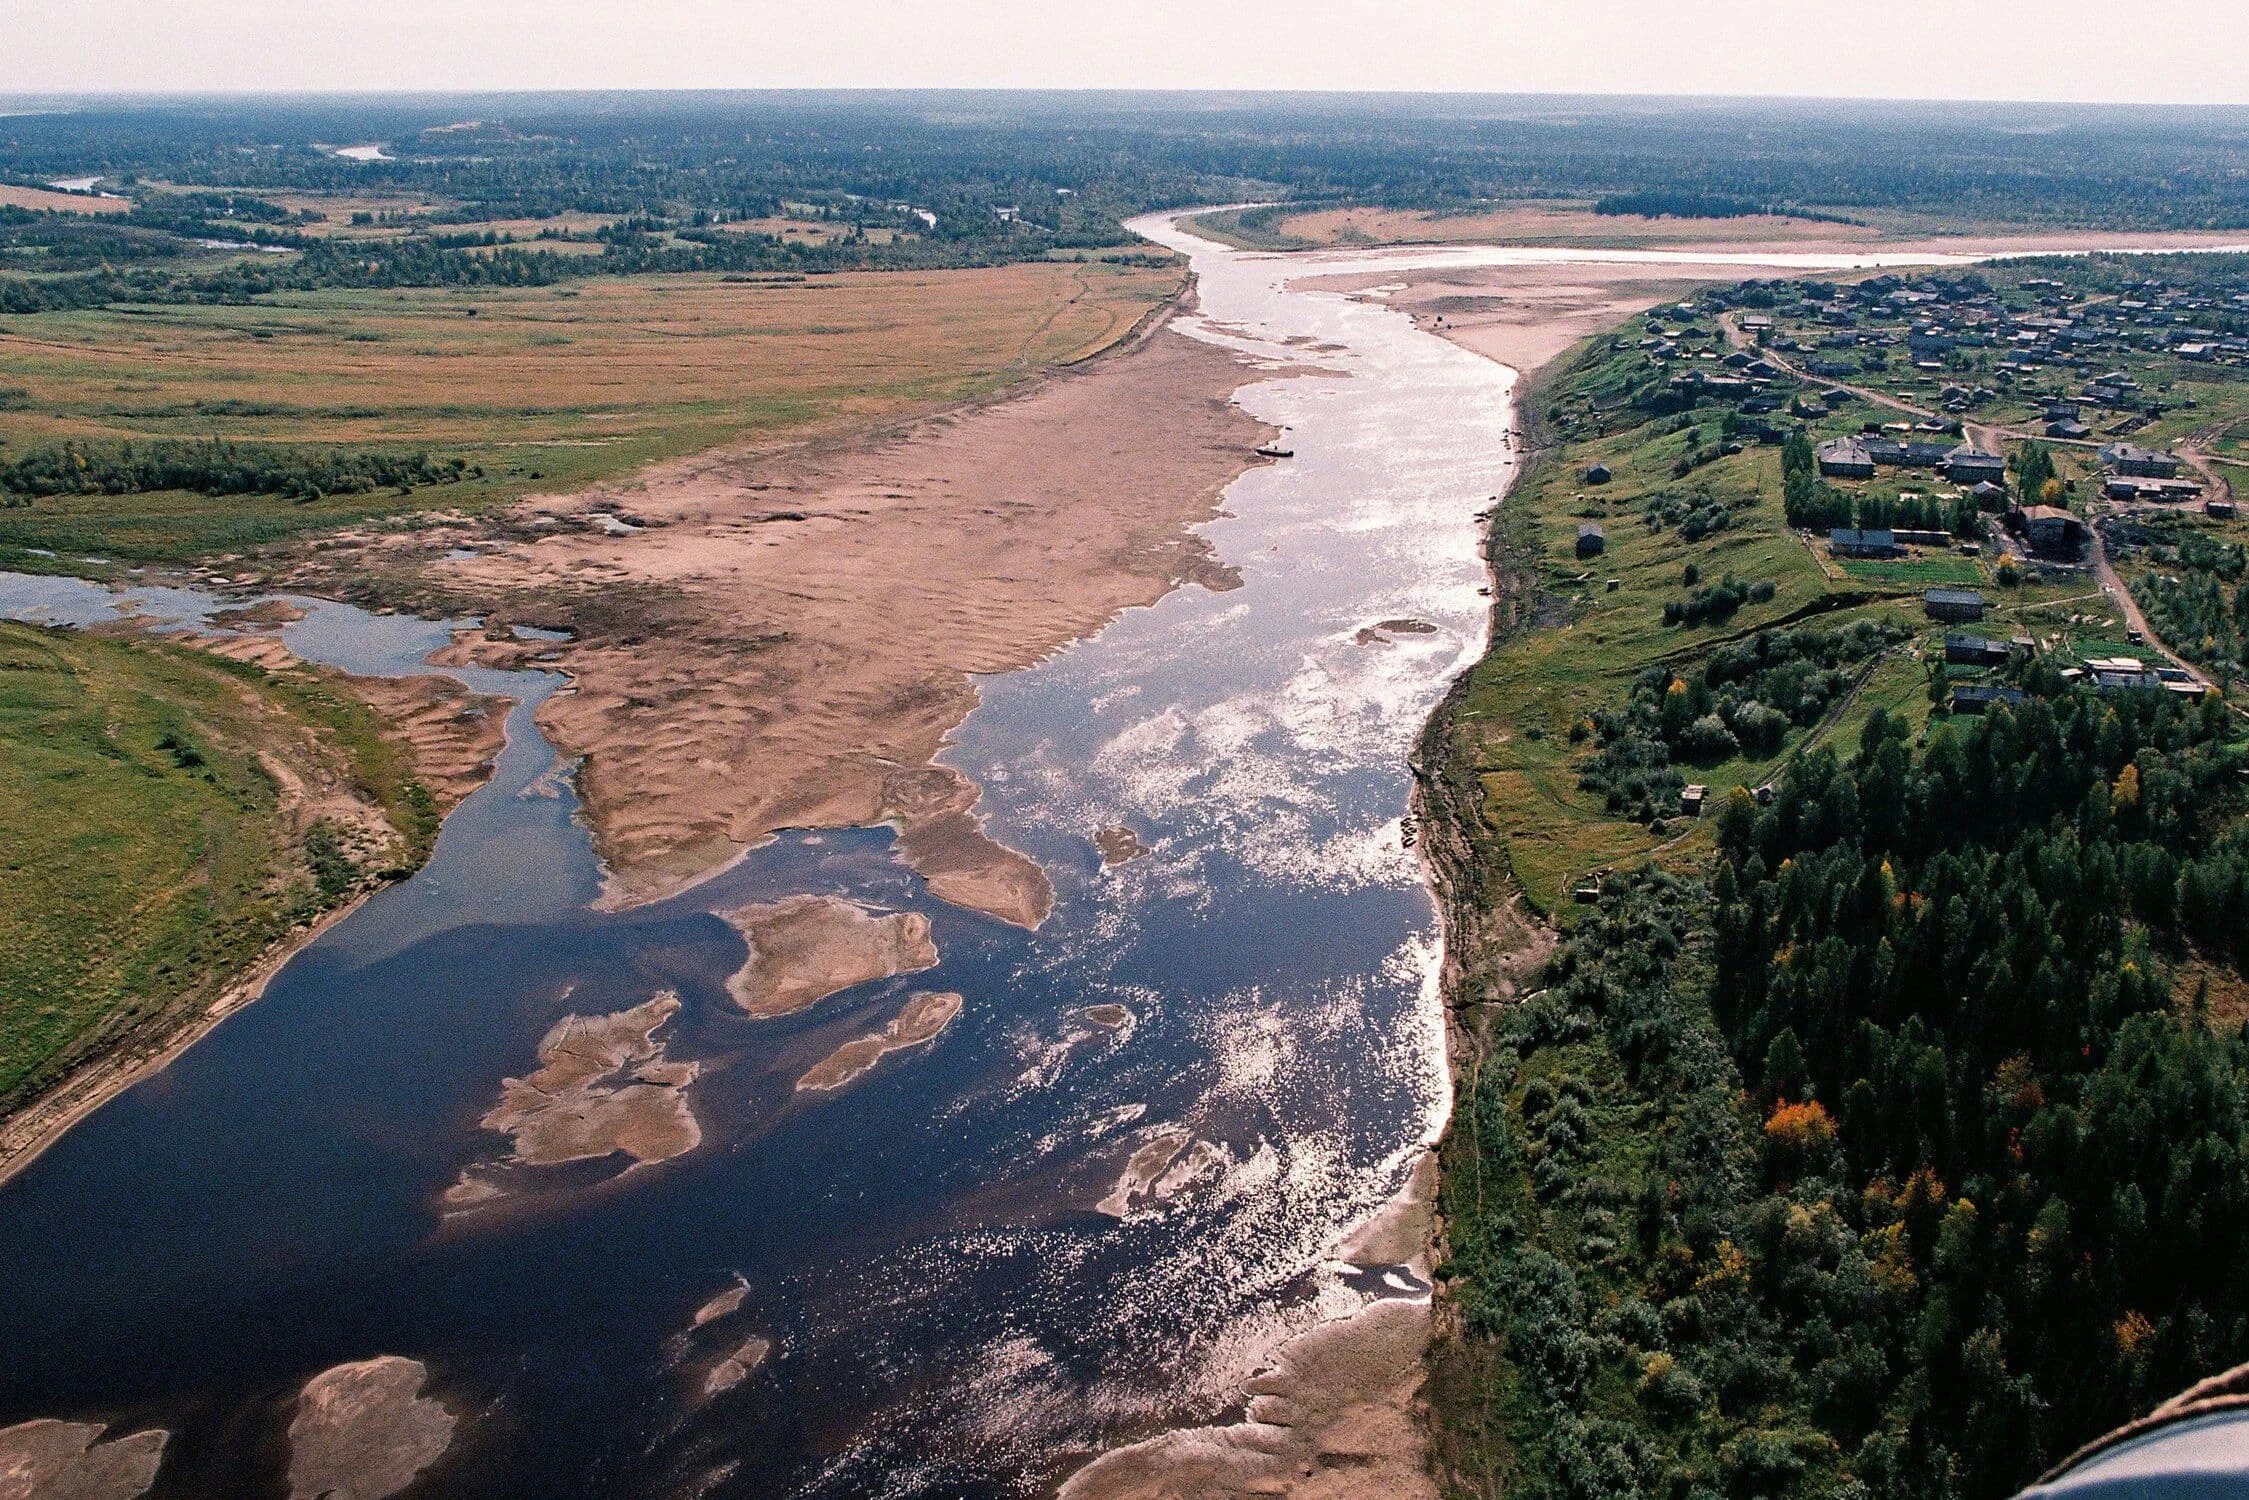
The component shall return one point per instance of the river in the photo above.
(950, 1310)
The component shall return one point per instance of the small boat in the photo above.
(1275, 450)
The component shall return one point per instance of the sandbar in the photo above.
(363, 1431)
(924, 1016)
(737, 1366)
(51, 1460)
(807, 948)
(1335, 1417)
(603, 1086)
(791, 642)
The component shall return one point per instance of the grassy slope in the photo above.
(148, 858)
(547, 388)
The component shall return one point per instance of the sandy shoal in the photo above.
(603, 1086)
(788, 636)
(50, 1460)
(924, 1016)
(806, 948)
(364, 1431)
(1338, 1416)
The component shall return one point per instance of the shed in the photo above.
(1597, 474)
(1851, 541)
(1592, 541)
(1953, 604)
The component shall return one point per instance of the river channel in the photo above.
(956, 1297)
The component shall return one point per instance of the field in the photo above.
(150, 852)
(46, 200)
(545, 388)
(1916, 572)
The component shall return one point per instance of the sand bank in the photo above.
(807, 948)
(603, 1087)
(923, 1018)
(737, 1366)
(363, 1431)
(786, 637)
(50, 1460)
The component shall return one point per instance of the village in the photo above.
(1996, 436)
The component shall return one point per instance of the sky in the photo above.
(2136, 51)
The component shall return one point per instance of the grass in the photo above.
(1915, 572)
(149, 856)
(1522, 700)
(1536, 222)
(547, 388)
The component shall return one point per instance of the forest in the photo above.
(1902, 1156)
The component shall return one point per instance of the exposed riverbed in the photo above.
(1066, 1186)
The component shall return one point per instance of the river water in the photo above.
(950, 1310)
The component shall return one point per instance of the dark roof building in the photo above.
(1968, 464)
(1953, 604)
(1849, 541)
(1975, 697)
(2144, 463)
(1846, 458)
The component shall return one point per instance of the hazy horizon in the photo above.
(2001, 51)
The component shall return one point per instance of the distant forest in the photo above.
(928, 179)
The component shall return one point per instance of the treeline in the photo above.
(1896, 1161)
(1672, 203)
(216, 466)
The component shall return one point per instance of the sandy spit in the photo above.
(50, 1460)
(790, 636)
(924, 1016)
(807, 948)
(363, 1431)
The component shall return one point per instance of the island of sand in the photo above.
(807, 948)
(603, 1087)
(365, 1431)
(924, 1016)
(50, 1460)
